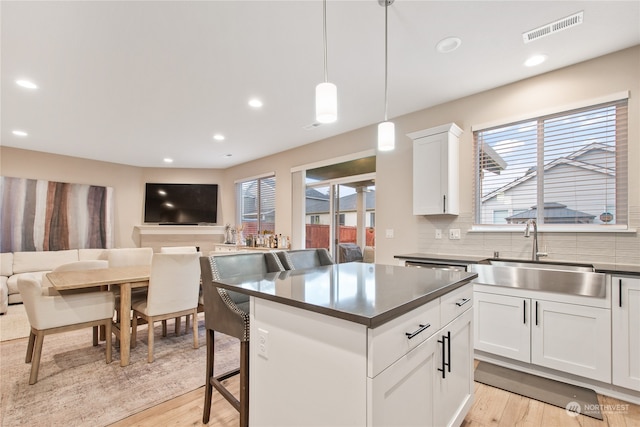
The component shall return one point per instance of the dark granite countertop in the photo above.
(369, 294)
(624, 269)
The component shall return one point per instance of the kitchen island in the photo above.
(359, 344)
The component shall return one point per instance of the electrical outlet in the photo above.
(454, 234)
(263, 343)
(438, 234)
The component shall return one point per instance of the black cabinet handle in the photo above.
(524, 312)
(449, 351)
(620, 293)
(536, 313)
(416, 332)
(444, 203)
(444, 355)
(463, 301)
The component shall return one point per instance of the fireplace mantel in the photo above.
(156, 236)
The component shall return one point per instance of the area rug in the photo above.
(77, 388)
(14, 323)
(572, 398)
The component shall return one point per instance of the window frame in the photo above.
(546, 227)
(259, 214)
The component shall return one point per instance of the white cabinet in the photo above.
(432, 384)
(435, 170)
(454, 388)
(571, 338)
(626, 331)
(502, 325)
(321, 370)
(403, 394)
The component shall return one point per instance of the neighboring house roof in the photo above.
(572, 160)
(318, 203)
(554, 213)
(491, 160)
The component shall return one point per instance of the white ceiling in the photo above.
(133, 82)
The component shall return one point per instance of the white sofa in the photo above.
(14, 265)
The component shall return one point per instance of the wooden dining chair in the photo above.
(174, 283)
(227, 312)
(50, 314)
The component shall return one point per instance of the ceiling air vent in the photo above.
(554, 27)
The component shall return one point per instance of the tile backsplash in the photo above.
(609, 248)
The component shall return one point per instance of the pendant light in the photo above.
(386, 129)
(326, 93)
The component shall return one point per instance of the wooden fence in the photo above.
(317, 235)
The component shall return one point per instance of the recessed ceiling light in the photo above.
(535, 60)
(228, 155)
(168, 160)
(26, 83)
(255, 103)
(19, 133)
(448, 45)
(218, 137)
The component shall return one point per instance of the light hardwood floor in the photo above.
(492, 407)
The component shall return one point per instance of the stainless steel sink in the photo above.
(564, 281)
(540, 265)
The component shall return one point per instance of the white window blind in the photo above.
(565, 168)
(256, 200)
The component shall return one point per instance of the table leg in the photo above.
(125, 323)
(103, 335)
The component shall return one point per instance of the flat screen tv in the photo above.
(181, 203)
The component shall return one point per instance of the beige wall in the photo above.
(127, 181)
(600, 77)
(583, 82)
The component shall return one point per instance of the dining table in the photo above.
(124, 278)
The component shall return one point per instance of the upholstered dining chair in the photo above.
(304, 258)
(48, 289)
(179, 250)
(50, 314)
(227, 312)
(174, 283)
(126, 257)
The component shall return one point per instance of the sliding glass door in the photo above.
(340, 216)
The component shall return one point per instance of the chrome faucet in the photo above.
(535, 255)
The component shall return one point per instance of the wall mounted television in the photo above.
(181, 204)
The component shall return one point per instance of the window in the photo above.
(582, 159)
(256, 200)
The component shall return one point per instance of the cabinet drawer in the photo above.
(392, 340)
(455, 303)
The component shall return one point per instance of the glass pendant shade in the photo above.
(326, 102)
(386, 136)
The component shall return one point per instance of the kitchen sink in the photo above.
(563, 279)
(540, 265)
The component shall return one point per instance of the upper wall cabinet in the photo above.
(435, 170)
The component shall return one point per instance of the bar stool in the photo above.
(228, 312)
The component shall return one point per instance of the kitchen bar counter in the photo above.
(624, 269)
(358, 344)
(368, 294)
